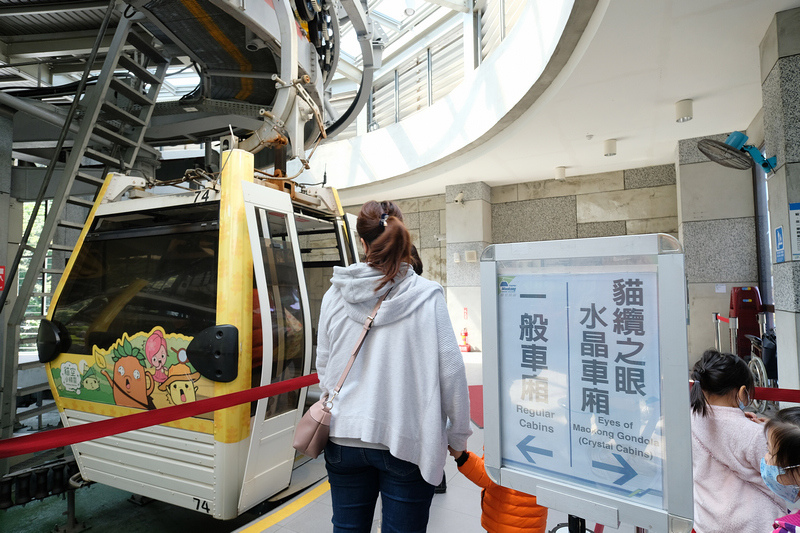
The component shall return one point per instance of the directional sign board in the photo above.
(794, 228)
(585, 377)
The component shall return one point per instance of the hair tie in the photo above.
(383, 221)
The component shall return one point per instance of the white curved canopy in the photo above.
(634, 61)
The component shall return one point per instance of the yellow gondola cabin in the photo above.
(165, 301)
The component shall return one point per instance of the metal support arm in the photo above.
(372, 41)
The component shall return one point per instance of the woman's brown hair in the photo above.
(388, 241)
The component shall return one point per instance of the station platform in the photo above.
(103, 508)
(458, 509)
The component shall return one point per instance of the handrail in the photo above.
(73, 108)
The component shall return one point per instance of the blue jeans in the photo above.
(357, 475)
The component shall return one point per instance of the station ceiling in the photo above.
(622, 83)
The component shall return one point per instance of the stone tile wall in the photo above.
(780, 76)
(469, 223)
(714, 205)
(781, 97)
(630, 202)
(635, 201)
(425, 219)
(718, 233)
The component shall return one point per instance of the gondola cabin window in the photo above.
(286, 310)
(143, 284)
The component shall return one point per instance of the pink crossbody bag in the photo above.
(311, 434)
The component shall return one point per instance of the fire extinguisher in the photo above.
(464, 346)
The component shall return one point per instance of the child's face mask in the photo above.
(743, 405)
(770, 473)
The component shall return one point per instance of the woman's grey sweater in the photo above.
(407, 390)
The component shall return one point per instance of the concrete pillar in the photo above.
(469, 231)
(780, 77)
(6, 134)
(716, 224)
(9, 239)
(469, 25)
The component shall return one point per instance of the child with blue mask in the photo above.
(780, 466)
(727, 448)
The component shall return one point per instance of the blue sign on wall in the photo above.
(780, 253)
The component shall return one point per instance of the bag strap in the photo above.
(367, 325)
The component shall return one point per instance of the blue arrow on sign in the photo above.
(527, 450)
(627, 471)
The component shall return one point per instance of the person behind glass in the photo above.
(405, 399)
(780, 466)
(416, 261)
(727, 447)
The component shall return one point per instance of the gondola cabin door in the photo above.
(281, 339)
(353, 240)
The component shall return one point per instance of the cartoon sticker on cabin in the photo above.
(132, 386)
(89, 380)
(179, 384)
(144, 371)
(156, 351)
(70, 377)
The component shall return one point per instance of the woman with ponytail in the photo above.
(727, 447)
(405, 400)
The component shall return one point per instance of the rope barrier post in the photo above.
(733, 323)
(762, 323)
(718, 340)
(576, 524)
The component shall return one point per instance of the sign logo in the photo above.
(780, 252)
(505, 287)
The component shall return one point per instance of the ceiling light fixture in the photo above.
(410, 9)
(610, 147)
(561, 173)
(683, 111)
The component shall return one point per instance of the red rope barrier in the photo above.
(723, 319)
(56, 438)
(777, 395)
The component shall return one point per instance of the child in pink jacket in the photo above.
(727, 448)
(780, 467)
